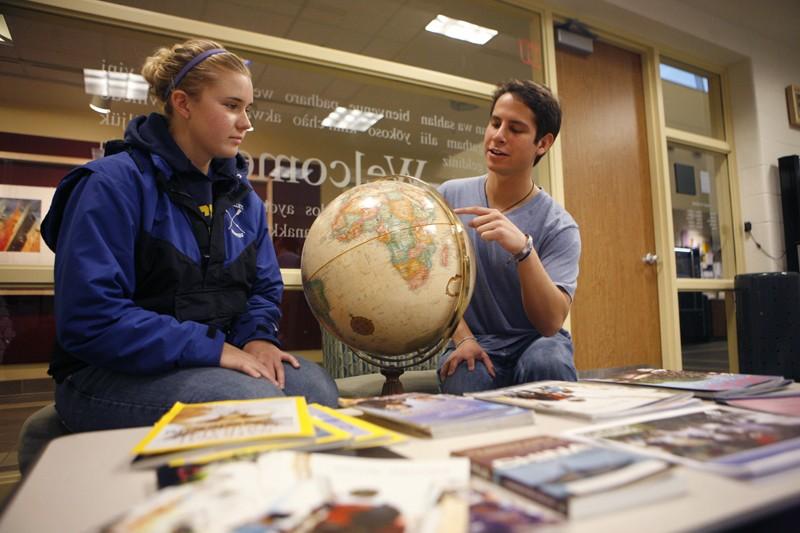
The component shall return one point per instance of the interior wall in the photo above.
(760, 64)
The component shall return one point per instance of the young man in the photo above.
(527, 248)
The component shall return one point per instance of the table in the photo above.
(84, 480)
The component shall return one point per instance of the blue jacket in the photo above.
(144, 282)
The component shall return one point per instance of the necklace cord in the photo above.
(515, 204)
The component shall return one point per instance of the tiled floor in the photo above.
(23, 390)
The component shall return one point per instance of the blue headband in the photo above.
(189, 66)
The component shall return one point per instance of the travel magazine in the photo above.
(574, 478)
(190, 431)
(725, 440)
(439, 415)
(702, 384)
(592, 401)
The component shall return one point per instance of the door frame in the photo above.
(659, 187)
(657, 137)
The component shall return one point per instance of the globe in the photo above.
(388, 270)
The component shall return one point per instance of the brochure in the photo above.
(726, 440)
(588, 400)
(702, 384)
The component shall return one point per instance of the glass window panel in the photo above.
(298, 166)
(698, 179)
(27, 329)
(692, 100)
(704, 331)
(386, 29)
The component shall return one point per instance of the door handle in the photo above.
(650, 259)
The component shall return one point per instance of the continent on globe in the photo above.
(398, 221)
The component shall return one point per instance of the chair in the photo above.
(38, 429)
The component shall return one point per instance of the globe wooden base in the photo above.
(392, 385)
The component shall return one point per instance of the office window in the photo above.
(387, 29)
(697, 178)
(692, 99)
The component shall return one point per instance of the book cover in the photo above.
(575, 478)
(704, 384)
(440, 414)
(190, 431)
(326, 437)
(726, 440)
(198, 425)
(586, 399)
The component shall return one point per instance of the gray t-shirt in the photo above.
(496, 312)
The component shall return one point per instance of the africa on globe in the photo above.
(388, 269)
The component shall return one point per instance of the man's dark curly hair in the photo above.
(539, 99)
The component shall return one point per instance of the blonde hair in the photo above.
(161, 69)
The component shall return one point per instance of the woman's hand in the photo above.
(258, 359)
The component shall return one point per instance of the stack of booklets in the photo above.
(192, 434)
(777, 403)
(295, 491)
(574, 478)
(724, 440)
(592, 401)
(439, 415)
(710, 385)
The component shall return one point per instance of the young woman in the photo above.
(166, 284)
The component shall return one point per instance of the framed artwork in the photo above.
(22, 209)
(793, 104)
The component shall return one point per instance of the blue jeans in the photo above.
(93, 398)
(533, 358)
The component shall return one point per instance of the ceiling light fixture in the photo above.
(5, 33)
(460, 29)
(125, 85)
(351, 119)
(101, 104)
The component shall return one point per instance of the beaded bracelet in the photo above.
(465, 339)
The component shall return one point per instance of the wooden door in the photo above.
(615, 316)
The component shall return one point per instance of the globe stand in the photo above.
(392, 385)
(393, 366)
